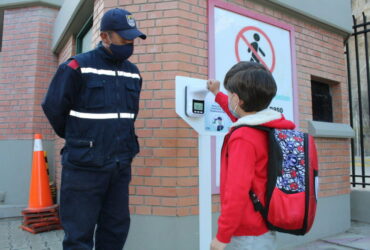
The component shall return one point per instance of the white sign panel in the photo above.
(240, 38)
(249, 37)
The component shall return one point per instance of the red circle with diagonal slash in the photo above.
(241, 36)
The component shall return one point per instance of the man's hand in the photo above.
(213, 86)
(217, 245)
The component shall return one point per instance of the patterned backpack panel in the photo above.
(292, 179)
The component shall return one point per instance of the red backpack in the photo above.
(291, 195)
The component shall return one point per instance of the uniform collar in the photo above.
(106, 54)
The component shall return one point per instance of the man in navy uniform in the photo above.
(92, 102)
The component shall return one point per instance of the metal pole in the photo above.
(367, 61)
(205, 193)
(350, 114)
(359, 104)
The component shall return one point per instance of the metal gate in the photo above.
(359, 95)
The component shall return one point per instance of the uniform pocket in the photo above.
(95, 94)
(82, 152)
(133, 94)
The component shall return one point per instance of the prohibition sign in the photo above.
(241, 36)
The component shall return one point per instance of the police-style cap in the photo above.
(122, 22)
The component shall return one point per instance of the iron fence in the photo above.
(359, 94)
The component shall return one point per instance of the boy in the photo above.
(244, 155)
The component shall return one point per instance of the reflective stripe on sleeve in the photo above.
(126, 74)
(109, 72)
(126, 115)
(101, 116)
(98, 71)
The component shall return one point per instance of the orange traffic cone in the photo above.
(40, 194)
(41, 214)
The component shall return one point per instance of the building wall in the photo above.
(26, 67)
(67, 51)
(177, 45)
(166, 169)
(165, 173)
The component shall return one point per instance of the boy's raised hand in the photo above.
(213, 86)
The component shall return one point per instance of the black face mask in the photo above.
(122, 52)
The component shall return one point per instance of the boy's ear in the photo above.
(240, 101)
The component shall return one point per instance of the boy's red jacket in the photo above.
(244, 159)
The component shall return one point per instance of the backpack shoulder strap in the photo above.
(258, 206)
(267, 129)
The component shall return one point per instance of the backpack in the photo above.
(291, 195)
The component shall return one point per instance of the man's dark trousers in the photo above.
(95, 196)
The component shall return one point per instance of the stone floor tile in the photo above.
(55, 246)
(359, 228)
(321, 245)
(346, 239)
(5, 246)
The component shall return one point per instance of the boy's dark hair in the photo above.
(253, 83)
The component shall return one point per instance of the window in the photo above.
(322, 107)
(84, 37)
(1, 27)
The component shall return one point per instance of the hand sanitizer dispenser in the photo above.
(194, 100)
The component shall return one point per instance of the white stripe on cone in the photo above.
(38, 145)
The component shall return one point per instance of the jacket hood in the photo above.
(267, 118)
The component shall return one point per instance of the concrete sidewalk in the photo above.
(357, 237)
(13, 238)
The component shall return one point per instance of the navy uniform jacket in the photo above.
(92, 102)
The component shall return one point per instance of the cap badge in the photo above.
(130, 20)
